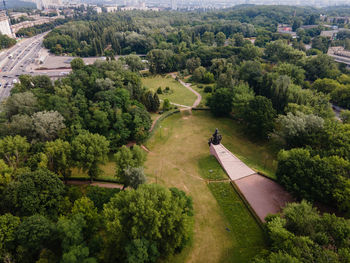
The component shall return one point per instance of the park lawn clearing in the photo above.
(209, 170)
(107, 172)
(179, 150)
(179, 94)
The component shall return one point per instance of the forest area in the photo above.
(280, 89)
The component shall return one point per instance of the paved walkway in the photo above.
(264, 195)
(233, 166)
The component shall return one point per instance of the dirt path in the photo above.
(100, 184)
(188, 86)
(154, 123)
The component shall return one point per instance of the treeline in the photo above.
(300, 234)
(38, 29)
(140, 32)
(6, 42)
(42, 220)
(103, 98)
(49, 129)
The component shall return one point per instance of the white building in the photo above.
(5, 28)
(173, 5)
(111, 8)
(46, 4)
(98, 9)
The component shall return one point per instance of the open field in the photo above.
(179, 94)
(224, 230)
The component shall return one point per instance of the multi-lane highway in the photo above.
(14, 62)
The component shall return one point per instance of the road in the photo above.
(15, 61)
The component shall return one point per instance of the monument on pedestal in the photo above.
(216, 138)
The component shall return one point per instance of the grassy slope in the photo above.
(180, 94)
(178, 148)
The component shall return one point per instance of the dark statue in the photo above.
(216, 138)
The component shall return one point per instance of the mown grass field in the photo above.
(224, 229)
(179, 94)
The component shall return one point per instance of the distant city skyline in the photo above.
(194, 4)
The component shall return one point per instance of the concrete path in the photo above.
(233, 166)
(264, 195)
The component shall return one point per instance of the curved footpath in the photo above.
(194, 105)
(188, 86)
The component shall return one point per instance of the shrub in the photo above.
(159, 90)
(208, 89)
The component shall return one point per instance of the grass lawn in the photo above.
(224, 229)
(179, 94)
(108, 171)
(242, 226)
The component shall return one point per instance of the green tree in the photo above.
(34, 234)
(259, 116)
(280, 92)
(220, 102)
(134, 63)
(20, 103)
(250, 52)
(126, 158)
(72, 240)
(251, 72)
(299, 129)
(59, 157)
(326, 85)
(89, 150)
(315, 178)
(296, 24)
(220, 39)
(156, 102)
(159, 215)
(141, 251)
(192, 64)
(134, 177)
(242, 95)
(297, 74)
(85, 207)
(123, 159)
(279, 51)
(208, 38)
(345, 116)
(8, 228)
(39, 192)
(14, 150)
(300, 234)
(160, 61)
(77, 64)
(166, 105)
(321, 66)
(20, 125)
(47, 124)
